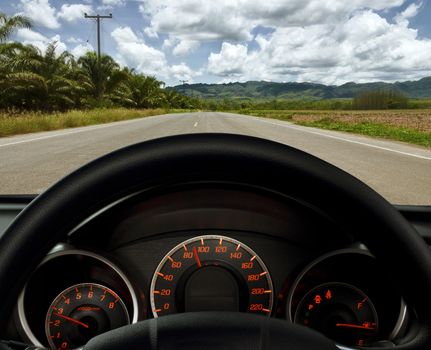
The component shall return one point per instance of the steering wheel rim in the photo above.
(196, 157)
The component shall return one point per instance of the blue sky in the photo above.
(330, 42)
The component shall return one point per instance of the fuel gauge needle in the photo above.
(349, 325)
(195, 253)
(70, 319)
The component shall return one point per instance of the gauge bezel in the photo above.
(336, 284)
(62, 250)
(98, 285)
(197, 238)
(402, 315)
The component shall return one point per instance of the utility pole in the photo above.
(184, 83)
(98, 18)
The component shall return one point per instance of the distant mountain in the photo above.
(262, 90)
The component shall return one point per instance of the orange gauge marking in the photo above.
(213, 251)
(72, 320)
(357, 326)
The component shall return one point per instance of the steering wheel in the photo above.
(222, 158)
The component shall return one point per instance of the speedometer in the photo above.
(211, 273)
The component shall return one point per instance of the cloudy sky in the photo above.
(216, 41)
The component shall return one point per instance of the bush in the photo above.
(380, 99)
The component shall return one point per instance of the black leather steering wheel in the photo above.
(227, 158)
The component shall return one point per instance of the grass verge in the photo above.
(409, 126)
(375, 130)
(13, 124)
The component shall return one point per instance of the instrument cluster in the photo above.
(210, 248)
(341, 294)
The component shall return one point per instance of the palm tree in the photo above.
(105, 78)
(9, 24)
(40, 81)
(146, 91)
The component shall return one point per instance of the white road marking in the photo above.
(85, 129)
(196, 124)
(346, 140)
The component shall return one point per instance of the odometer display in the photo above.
(211, 273)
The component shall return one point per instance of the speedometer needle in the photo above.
(72, 320)
(195, 253)
(349, 325)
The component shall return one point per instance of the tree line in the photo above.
(51, 81)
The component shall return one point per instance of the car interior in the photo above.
(213, 241)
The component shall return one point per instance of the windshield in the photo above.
(347, 81)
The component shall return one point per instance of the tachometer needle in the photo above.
(349, 325)
(72, 320)
(195, 253)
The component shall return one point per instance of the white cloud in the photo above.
(183, 72)
(81, 50)
(113, 2)
(150, 32)
(410, 12)
(133, 51)
(73, 12)
(363, 47)
(234, 20)
(25, 34)
(231, 61)
(41, 12)
(125, 35)
(198, 20)
(184, 47)
(73, 40)
(30, 37)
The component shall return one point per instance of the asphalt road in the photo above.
(30, 163)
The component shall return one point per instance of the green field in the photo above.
(412, 126)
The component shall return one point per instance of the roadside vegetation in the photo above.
(412, 126)
(50, 81)
(37, 121)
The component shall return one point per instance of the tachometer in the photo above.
(81, 312)
(211, 273)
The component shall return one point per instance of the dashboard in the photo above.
(209, 247)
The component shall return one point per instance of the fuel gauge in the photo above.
(341, 312)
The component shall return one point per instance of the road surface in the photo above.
(32, 162)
